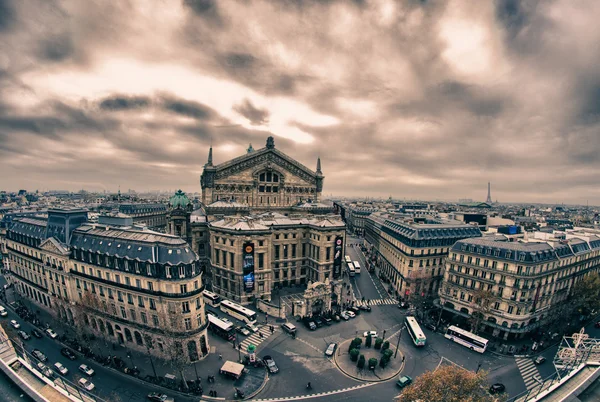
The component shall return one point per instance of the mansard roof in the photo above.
(32, 227)
(523, 252)
(143, 245)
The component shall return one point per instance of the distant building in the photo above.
(153, 215)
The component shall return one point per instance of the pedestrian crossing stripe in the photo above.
(319, 394)
(255, 338)
(528, 371)
(376, 302)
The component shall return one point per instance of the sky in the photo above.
(409, 99)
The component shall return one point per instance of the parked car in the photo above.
(15, 324)
(3, 312)
(539, 360)
(45, 370)
(497, 388)
(51, 333)
(430, 326)
(404, 381)
(336, 317)
(355, 310)
(372, 333)
(61, 369)
(252, 327)
(365, 307)
(36, 333)
(327, 321)
(319, 322)
(68, 354)
(350, 314)
(24, 335)
(403, 305)
(243, 331)
(39, 355)
(345, 315)
(157, 397)
(86, 384)
(225, 319)
(270, 363)
(331, 349)
(312, 326)
(86, 370)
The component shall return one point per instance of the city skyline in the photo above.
(416, 100)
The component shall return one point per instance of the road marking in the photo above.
(376, 302)
(310, 345)
(318, 395)
(255, 338)
(528, 371)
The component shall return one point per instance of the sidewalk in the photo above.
(195, 374)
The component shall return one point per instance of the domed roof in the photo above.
(179, 200)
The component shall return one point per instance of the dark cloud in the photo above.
(124, 102)
(257, 116)
(206, 9)
(188, 108)
(511, 15)
(57, 49)
(7, 15)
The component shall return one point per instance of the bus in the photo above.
(467, 339)
(211, 298)
(415, 331)
(348, 259)
(351, 271)
(239, 312)
(356, 267)
(224, 329)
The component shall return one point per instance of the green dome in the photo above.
(179, 200)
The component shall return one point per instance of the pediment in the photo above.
(52, 245)
(265, 157)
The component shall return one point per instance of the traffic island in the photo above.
(350, 368)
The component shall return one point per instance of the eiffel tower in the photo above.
(489, 197)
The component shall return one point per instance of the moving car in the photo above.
(87, 370)
(242, 331)
(497, 388)
(331, 349)
(252, 327)
(45, 370)
(39, 355)
(24, 335)
(15, 324)
(157, 397)
(403, 381)
(86, 384)
(68, 354)
(51, 333)
(61, 369)
(539, 360)
(364, 308)
(372, 333)
(270, 363)
(36, 333)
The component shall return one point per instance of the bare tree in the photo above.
(484, 300)
(173, 324)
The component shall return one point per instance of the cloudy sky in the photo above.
(415, 99)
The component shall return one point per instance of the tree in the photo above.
(484, 300)
(354, 354)
(372, 363)
(357, 342)
(378, 343)
(387, 354)
(361, 362)
(173, 325)
(586, 294)
(448, 384)
(368, 341)
(385, 346)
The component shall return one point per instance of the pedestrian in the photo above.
(220, 356)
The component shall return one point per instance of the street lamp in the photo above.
(478, 367)
(398, 344)
(130, 358)
(383, 339)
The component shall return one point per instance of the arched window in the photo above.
(128, 335)
(138, 338)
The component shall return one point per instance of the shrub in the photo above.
(378, 343)
(383, 362)
(368, 341)
(372, 363)
(385, 346)
(387, 354)
(358, 342)
(354, 354)
(361, 362)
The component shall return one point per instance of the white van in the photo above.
(3, 312)
(289, 328)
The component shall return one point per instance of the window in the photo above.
(150, 286)
(152, 304)
(117, 278)
(510, 309)
(138, 283)
(497, 306)
(119, 296)
(294, 250)
(188, 323)
(185, 307)
(276, 252)
(199, 319)
(182, 288)
(155, 320)
(132, 313)
(127, 281)
(140, 301)
(261, 260)
(129, 298)
(144, 317)
(123, 312)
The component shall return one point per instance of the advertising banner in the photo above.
(337, 257)
(248, 267)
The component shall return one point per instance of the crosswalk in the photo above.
(528, 371)
(376, 302)
(255, 338)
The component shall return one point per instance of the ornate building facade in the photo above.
(129, 285)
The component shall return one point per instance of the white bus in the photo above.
(415, 331)
(239, 312)
(351, 271)
(467, 339)
(223, 329)
(211, 298)
(356, 267)
(348, 259)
